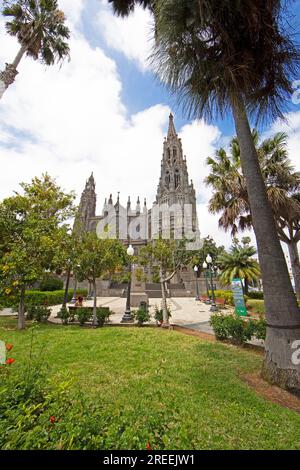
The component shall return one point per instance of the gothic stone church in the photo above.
(136, 225)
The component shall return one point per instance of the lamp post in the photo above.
(204, 265)
(197, 285)
(213, 307)
(127, 317)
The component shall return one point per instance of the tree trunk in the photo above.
(295, 263)
(95, 320)
(18, 57)
(282, 311)
(65, 301)
(21, 311)
(165, 322)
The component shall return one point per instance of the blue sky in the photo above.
(141, 89)
(104, 112)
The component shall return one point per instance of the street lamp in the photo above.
(127, 317)
(197, 285)
(213, 307)
(204, 265)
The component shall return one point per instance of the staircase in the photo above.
(153, 290)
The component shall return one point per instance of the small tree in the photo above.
(239, 262)
(168, 256)
(96, 257)
(31, 229)
(66, 258)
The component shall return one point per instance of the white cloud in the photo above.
(70, 121)
(132, 36)
(72, 9)
(292, 128)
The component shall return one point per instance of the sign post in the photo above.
(238, 296)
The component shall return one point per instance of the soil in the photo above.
(272, 392)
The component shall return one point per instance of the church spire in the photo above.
(171, 130)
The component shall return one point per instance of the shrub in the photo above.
(51, 284)
(158, 314)
(225, 294)
(83, 315)
(259, 328)
(256, 306)
(102, 314)
(64, 314)
(141, 315)
(236, 329)
(50, 298)
(255, 295)
(39, 313)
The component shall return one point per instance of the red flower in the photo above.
(9, 361)
(52, 419)
(9, 347)
(148, 446)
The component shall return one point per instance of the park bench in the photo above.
(204, 298)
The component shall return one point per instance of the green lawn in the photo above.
(137, 385)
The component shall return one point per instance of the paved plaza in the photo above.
(185, 311)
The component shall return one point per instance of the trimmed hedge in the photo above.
(35, 297)
(50, 298)
(237, 329)
(51, 284)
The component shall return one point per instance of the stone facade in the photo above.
(139, 226)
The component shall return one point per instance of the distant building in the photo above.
(173, 214)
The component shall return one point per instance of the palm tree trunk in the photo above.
(21, 311)
(295, 264)
(19, 57)
(282, 311)
(95, 321)
(7, 76)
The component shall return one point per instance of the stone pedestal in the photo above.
(137, 297)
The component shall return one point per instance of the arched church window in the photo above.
(174, 152)
(167, 179)
(169, 154)
(177, 178)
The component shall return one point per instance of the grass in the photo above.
(152, 385)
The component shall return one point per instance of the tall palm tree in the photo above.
(239, 263)
(40, 28)
(222, 55)
(230, 197)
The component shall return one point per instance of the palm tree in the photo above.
(40, 29)
(239, 263)
(217, 56)
(230, 197)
